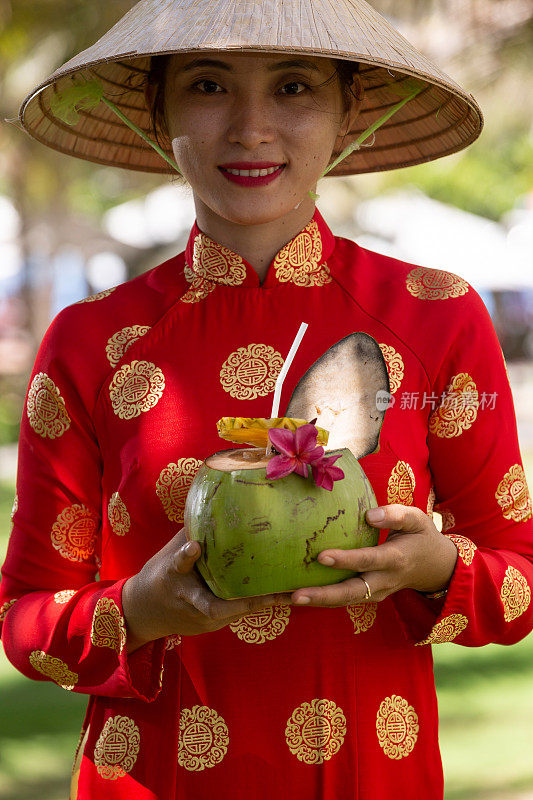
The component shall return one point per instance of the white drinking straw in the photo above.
(281, 377)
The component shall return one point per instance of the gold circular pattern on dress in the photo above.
(397, 727)
(199, 288)
(513, 495)
(117, 748)
(108, 627)
(64, 596)
(426, 283)
(173, 485)
(53, 668)
(467, 548)
(74, 533)
(173, 641)
(431, 502)
(446, 630)
(4, 608)
(46, 408)
(299, 261)
(458, 409)
(448, 519)
(98, 296)
(80, 747)
(506, 369)
(215, 262)
(315, 731)
(363, 616)
(261, 626)
(136, 388)
(251, 371)
(515, 594)
(401, 484)
(198, 291)
(203, 738)
(120, 342)
(395, 366)
(118, 515)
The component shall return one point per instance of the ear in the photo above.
(350, 116)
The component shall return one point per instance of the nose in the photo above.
(250, 123)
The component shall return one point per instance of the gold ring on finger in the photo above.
(368, 594)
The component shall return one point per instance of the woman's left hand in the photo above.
(415, 555)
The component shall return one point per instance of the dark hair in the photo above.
(156, 77)
(344, 71)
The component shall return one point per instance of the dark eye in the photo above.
(293, 87)
(209, 86)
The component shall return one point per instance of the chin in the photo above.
(257, 214)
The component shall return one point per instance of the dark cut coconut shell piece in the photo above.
(347, 390)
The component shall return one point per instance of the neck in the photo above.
(257, 244)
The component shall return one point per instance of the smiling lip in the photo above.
(248, 180)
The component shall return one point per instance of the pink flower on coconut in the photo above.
(298, 449)
(324, 471)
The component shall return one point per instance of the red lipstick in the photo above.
(248, 180)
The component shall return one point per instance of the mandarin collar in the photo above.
(302, 261)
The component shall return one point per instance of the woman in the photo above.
(192, 695)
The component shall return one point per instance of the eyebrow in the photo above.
(212, 62)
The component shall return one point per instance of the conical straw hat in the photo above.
(440, 120)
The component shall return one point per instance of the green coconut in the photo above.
(262, 536)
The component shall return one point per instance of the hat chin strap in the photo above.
(88, 94)
(370, 131)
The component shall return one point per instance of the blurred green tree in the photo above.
(36, 38)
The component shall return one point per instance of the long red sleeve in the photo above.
(59, 623)
(480, 490)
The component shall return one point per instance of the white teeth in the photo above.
(253, 173)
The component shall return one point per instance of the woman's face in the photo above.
(252, 108)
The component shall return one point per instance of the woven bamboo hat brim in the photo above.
(440, 120)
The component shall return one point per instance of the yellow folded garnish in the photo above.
(254, 430)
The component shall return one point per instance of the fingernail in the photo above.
(190, 548)
(375, 514)
(303, 600)
(327, 560)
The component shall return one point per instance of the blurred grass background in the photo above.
(485, 701)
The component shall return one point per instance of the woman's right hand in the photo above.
(168, 596)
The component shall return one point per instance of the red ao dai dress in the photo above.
(292, 702)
